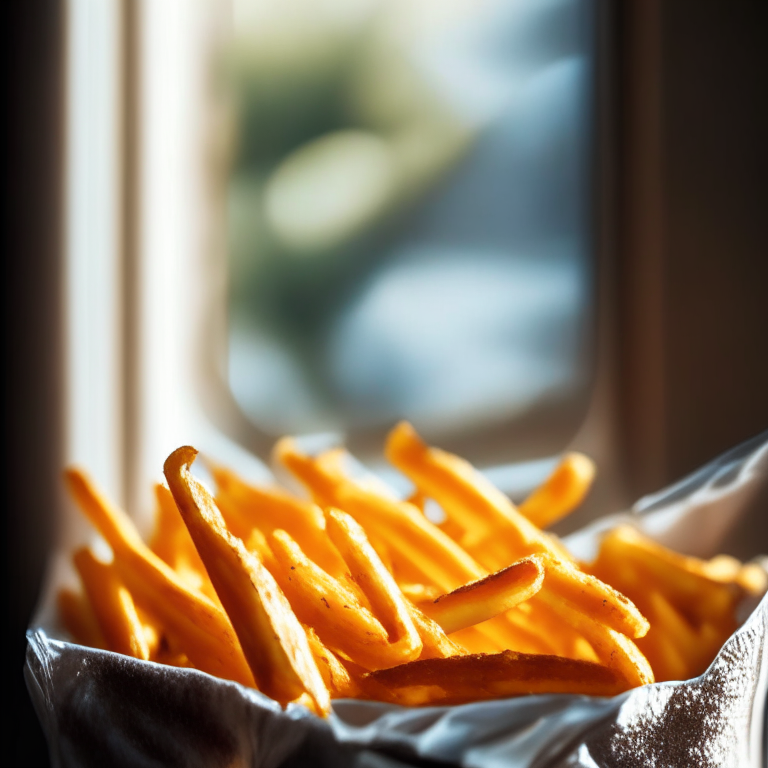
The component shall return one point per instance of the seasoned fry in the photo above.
(485, 598)
(112, 604)
(472, 677)
(561, 492)
(199, 627)
(595, 598)
(272, 639)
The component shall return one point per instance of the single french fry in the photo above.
(152, 633)
(487, 597)
(561, 492)
(466, 496)
(367, 570)
(79, 620)
(594, 598)
(112, 604)
(474, 677)
(273, 641)
(201, 629)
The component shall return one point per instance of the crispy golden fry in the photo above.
(473, 677)
(467, 497)
(561, 492)
(79, 620)
(271, 637)
(594, 598)
(201, 629)
(487, 597)
(367, 570)
(112, 604)
(152, 633)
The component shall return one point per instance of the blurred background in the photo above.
(524, 225)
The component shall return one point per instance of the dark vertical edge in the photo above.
(130, 176)
(33, 54)
(640, 243)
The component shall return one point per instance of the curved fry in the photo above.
(273, 641)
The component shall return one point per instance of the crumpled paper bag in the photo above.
(99, 708)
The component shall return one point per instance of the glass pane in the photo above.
(409, 213)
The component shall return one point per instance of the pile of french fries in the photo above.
(357, 594)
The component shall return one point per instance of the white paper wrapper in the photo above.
(100, 708)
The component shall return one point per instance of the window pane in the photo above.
(409, 213)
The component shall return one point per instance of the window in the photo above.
(323, 216)
(410, 220)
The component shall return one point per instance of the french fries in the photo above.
(357, 594)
